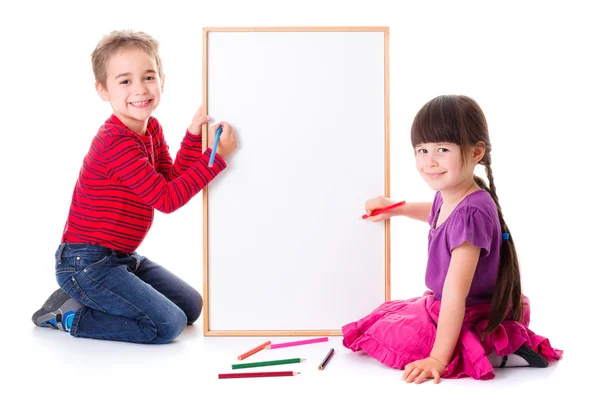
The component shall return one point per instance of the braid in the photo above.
(507, 293)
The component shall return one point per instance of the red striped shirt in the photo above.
(125, 176)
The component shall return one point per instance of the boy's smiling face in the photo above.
(133, 87)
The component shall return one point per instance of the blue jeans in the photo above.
(126, 297)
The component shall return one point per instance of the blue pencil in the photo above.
(214, 150)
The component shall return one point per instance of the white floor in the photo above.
(51, 364)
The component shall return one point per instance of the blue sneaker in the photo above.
(57, 312)
(67, 319)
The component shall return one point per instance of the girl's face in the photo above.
(442, 166)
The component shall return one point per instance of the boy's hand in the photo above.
(420, 370)
(227, 142)
(378, 202)
(196, 126)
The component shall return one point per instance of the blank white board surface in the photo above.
(285, 249)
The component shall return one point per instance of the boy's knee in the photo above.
(196, 308)
(172, 326)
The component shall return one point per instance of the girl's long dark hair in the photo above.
(460, 120)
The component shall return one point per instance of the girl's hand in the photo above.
(426, 368)
(379, 202)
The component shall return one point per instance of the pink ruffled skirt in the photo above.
(402, 331)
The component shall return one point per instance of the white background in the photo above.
(531, 65)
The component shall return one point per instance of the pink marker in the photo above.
(298, 343)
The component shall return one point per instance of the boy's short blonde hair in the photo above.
(117, 41)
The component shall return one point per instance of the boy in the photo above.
(109, 291)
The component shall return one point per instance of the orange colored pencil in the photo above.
(254, 350)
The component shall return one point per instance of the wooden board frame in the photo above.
(206, 109)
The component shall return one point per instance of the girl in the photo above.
(473, 317)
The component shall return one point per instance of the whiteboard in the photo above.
(285, 249)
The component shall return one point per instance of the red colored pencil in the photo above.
(378, 211)
(257, 374)
(254, 350)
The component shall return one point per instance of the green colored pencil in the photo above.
(267, 363)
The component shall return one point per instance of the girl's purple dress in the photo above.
(402, 331)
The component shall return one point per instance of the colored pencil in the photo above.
(211, 160)
(297, 343)
(267, 363)
(254, 350)
(378, 211)
(326, 359)
(257, 374)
